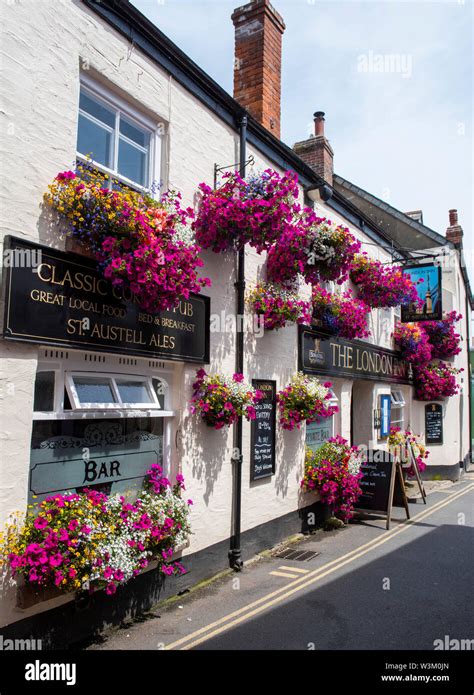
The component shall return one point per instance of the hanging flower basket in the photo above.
(413, 342)
(334, 472)
(340, 313)
(398, 441)
(314, 248)
(382, 286)
(140, 243)
(444, 340)
(254, 211)
(220, 400)
(436, 381)
(278, 306)
(305, 399)
(104, 541)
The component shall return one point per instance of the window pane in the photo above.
(160, 390)
(132, 163)
(96, 109)
(44, 392)
(93, 390)
(134, 392)
(95, 141)
(141, 137)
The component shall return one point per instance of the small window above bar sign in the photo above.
(92, 391)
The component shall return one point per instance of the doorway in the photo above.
(362, 413)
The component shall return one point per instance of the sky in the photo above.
(394, 78)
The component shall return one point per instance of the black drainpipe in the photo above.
(235, 559)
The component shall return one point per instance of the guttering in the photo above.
(235, 553)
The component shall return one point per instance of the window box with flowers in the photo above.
(90, 540)
(140, 243)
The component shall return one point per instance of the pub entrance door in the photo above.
(362, 412)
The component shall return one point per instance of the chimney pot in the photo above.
(319, 123)
(453, 217)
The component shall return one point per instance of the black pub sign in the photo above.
(322, 354)
(262, 446)
(62, 299)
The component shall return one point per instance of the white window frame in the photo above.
(397, 399)
(109, 410)
(112, 379)
(398, 403)
(120, 107)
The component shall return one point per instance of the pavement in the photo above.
(366, 588)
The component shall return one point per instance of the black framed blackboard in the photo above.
(382, 485)
(263, 429)
(433, 423)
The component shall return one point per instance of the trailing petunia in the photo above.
(220, 400)
(278, 306)
(143, 245)
(255, 210)
(445, 341)
(413, 342)
(398, 442)
(435, 381)
(382, 286)
(73, 541)
(340, 313)
(334, 472)
(304, 399)
(312, 247)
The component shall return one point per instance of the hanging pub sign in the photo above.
(433, 423)
(326, 355)
(382, 485)
(429, 292)
(263, 428)
(60, 299)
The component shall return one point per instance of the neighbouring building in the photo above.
(96, 75)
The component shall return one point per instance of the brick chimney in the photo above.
(316, 150)
(257, 64)
(454, 232)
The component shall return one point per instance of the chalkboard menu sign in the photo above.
(382, 485)
(375, 484)
(433, 423)
(262, 463)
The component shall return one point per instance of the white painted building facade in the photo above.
(51, 50)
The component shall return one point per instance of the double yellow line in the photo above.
(250, 610)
